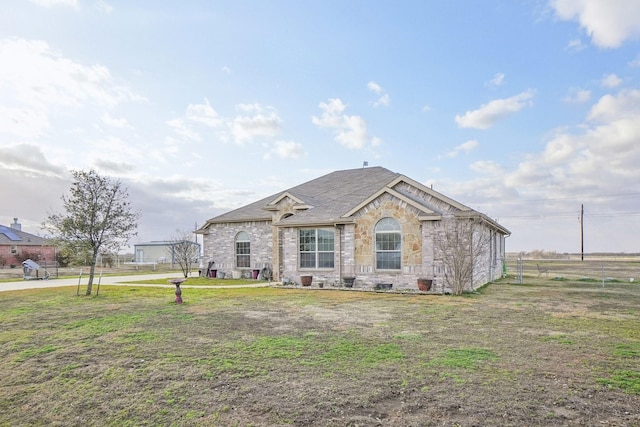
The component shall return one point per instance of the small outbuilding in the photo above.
(161, 251)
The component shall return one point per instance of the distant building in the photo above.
(159, 252)
(17, 245)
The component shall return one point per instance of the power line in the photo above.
(552, 199)
(611, 214)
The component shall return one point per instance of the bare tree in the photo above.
(98, 217)
(462, 248)
(183, 251)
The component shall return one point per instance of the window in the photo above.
(316, 248)
(14, 249)
(243, 250)
(388, 244)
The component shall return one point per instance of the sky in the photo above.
(525, 110)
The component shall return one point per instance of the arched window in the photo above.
(243, 250)
(388, 244)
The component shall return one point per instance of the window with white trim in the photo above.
(388, 244)
(316, 248)
(243, 250)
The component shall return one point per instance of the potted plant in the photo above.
(348, 281)
(424, 284)
(306, 280)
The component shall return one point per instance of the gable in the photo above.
(425, 213)
(431, 204)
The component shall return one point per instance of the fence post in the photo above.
(520, 269)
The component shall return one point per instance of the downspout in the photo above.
(339, 232)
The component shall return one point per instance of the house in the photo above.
(371, 224)
(163, 251)
(17, 246)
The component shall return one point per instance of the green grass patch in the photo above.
(290, 348)
(360, 354)
(626, 380)
(34, 352)
(627, 350)
(464, 358)
(95, 326)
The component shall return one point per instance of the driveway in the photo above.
(107, 280)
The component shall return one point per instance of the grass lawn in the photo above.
(538, 354)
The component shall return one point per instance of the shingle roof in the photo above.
(11, 236)
(330, 197)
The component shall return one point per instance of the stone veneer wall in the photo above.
(290, 270)
(412, 244)
(219, 244)
(355, 255)
(487, 269)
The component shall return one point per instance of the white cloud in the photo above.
(577, 96)
(350, 131)
(53, 3)
(384, 100)
(609, 108)
(22, 122)
(42, 91)
(245, 128)
(252, 121)
(226, 70)
(609, 23)
(497, 80)
(426, 109)
(487, 167)
(203, 113)
(598, 157)
(489, 114)
(465, 147)
(120, 123)
(635, 62)
(374, 87)
(286, 150)
(38, 76)
(602, 155)
(103, 6)
(575, 45)
(611, 81)
(183, 128)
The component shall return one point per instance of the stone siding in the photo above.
(219, 244)
(412, 266)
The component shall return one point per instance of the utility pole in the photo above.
(582, 232)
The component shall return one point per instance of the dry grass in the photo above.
(543, 353)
